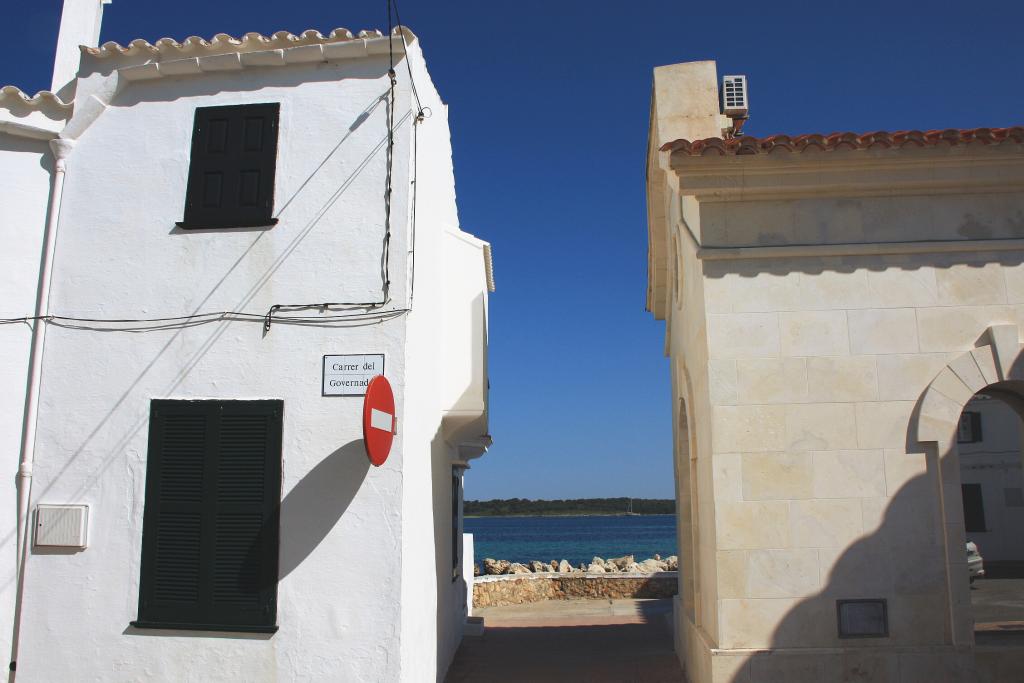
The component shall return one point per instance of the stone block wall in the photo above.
(821, 493)
(828, 315)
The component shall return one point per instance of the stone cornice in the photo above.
(861, 173)
(783, 251)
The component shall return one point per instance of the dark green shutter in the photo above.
(976, 427)
(969, 427)
(456, 494)
(974, 508)
(232, 167)
(210, 528)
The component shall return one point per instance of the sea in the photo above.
(576, 539)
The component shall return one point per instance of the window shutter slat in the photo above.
(177, 567)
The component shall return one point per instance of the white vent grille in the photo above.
(62, 526)
(734, 96)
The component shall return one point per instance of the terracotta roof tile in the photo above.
(12, 96)
(881, 139)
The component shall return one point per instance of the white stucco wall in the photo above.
(468, 562)
(449, 299)
(344, 610)
(80, 25)
(25, 166)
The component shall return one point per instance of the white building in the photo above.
(197, 211)
(990, 475)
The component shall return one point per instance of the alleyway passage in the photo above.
(571, 641)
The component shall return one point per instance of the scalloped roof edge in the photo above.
(248, 42)
(41, 100)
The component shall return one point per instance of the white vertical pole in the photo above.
(79, 25)
(61, 148)
(468, 561)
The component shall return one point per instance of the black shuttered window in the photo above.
(974, 508)
(210, 528)
(456, 535)
(231, 171)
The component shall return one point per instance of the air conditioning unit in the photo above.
(734, 97)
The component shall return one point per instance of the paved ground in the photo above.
(627, 641)
(571, 641)
(998, 600)
(998, 606)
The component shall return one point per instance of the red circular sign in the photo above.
(379, 421)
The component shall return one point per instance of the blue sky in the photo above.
(549, 110)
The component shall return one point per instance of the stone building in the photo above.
(831, 303)
(209, 247)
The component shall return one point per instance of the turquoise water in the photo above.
(576, 539)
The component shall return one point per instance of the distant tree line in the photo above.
(575, 506)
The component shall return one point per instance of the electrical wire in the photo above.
(390, 156)
(270, 317)
(422, 113)
(185, 321)
(415, 191)
(420, 109)
(274, 314)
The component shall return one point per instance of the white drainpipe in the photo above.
(61, 148)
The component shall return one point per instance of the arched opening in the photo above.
(686, 506)
(988, 447)
(987, 379)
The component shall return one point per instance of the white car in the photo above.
(975, 565)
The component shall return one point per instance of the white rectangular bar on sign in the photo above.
(381, 420)
(348, 374)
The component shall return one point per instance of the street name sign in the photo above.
(350, 374)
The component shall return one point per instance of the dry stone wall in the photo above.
(517, 589)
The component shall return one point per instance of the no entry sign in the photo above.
(379, 421)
